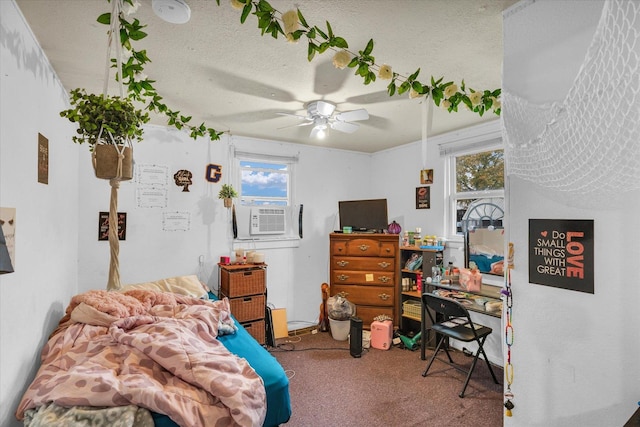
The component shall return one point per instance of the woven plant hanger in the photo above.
(113, 282)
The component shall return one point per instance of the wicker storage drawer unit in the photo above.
(257, 330)
(365, 267)
(248, 308)
(243, 280)
(245, 285)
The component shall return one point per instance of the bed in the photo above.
(159, 357)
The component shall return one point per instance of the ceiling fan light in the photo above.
(173, 11)
(321, 133)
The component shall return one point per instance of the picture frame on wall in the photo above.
(423, 197)
(103, 226)
(43, 159)
(426, 176)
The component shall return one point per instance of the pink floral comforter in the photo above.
(154, 350)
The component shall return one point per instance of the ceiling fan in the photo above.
(320, 115)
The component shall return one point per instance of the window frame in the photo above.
(289, 161)
(452, 196)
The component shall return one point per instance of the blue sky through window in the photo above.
(264, 180)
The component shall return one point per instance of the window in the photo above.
(264, 183)
(265, 179)
(266, 214)
(474, 177)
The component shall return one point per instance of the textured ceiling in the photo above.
(224, 73)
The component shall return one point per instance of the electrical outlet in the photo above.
(201, 260)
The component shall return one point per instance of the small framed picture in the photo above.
(426, 176)
(103, 226)
(423, 197)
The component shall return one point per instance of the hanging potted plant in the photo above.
(227, 192)
(108, 124)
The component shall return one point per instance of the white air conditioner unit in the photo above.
(267, 221)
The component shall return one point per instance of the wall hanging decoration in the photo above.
(7, 240)
(43, 159)
(561, 253)
(183, 179)
(426, 176)
(423, 197)
(213, 173)
(541, 140)
(176, 221)
(103, 226)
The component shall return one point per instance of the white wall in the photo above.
(57, 251)
(33, 298)
(294, 275)
(575, 355)
(396, 176)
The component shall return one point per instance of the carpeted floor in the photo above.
(383, 388)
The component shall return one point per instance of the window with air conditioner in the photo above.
(266, 209)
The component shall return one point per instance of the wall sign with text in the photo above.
(561, 253)
(103, 226)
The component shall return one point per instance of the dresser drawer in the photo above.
(363, 247)
(247, 308)
(242, 281)
(363, 263)
(366, 295)
(380, 278)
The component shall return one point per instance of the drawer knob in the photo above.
(384, 279)
(364, 247)
(384, 296)
(343, 277)
(342, 263)
(384, 264)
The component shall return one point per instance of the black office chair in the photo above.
(455, 322)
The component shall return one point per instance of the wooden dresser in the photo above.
(366, 267)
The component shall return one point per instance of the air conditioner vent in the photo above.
(267, 221)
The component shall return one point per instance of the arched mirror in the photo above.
(484, 236)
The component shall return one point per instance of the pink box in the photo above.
(225, 260)
(382, 334)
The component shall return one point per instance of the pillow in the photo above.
(181, 285)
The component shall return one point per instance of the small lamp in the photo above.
(5, 259)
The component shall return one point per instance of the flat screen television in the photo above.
(364, 215)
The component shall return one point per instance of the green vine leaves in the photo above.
(447, 95)
(140, 87)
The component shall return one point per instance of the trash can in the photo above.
(339, 329)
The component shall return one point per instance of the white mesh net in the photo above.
(585, 149)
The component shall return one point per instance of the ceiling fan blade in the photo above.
(353, 115)
(296, 126)
(294, 115)
(344, 126)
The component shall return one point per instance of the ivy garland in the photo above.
(140, 88)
